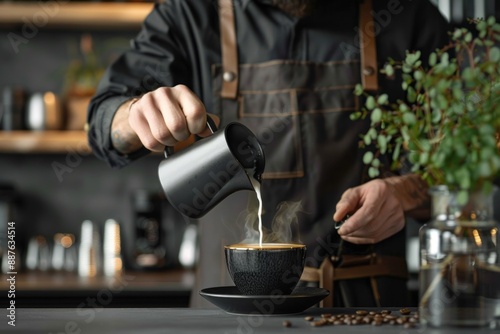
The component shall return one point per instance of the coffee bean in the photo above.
(360, 317)
(287, 323)
(319, 323)
(405, 311)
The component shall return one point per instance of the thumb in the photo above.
(346, 205)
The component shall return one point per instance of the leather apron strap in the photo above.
(354, 267)
(368, 47)
(229, 50)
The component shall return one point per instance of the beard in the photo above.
(297, 8)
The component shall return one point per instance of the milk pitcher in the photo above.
(198, 177)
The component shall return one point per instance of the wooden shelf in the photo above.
(43, 142)
(112, 15)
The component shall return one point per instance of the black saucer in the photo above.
(232, 301)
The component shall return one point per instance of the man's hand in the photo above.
(163, 117)
(378, 208)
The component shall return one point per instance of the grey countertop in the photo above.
(188, 320)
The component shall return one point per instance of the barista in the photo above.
(286, 69)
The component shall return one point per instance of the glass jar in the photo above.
(459, 261)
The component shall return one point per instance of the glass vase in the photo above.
(459, 278)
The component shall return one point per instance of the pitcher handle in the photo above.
(169, 150)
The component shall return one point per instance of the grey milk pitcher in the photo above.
(198, 177)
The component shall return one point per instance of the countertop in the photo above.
(187, 320)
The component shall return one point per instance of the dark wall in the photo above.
(39, 63)
(50, 203)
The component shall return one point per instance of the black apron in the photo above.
(299, 111)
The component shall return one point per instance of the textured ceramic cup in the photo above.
(273, 269)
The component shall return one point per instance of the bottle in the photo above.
(112, 258)
(459, 261)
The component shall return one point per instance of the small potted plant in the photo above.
(82, 77)
(447, 130)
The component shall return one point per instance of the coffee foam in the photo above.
(265, 246)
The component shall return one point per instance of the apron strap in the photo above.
(369, 67)
(229, 50)
(368, 266)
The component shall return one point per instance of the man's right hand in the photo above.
(163, 117)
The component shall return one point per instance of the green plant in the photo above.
(84, 72)
(448, 126)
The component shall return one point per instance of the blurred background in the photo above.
(52, 54)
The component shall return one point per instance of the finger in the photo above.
(381, 228)
(139, 123)
(192, 108)
(172, 116)
(207, 132)
(360, 219)
(348, 203)
(359, 240)
(363, 236)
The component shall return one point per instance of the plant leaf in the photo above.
(368, 157)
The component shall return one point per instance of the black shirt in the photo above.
(179, 43)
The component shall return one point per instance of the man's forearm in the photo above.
(413, 192)
(123, 137)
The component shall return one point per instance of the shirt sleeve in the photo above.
(155, 59)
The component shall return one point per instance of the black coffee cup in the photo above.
(270, 269)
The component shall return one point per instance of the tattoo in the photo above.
(122, 143)
(418, 190)
(412, 191)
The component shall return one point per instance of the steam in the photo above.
(283, 225)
